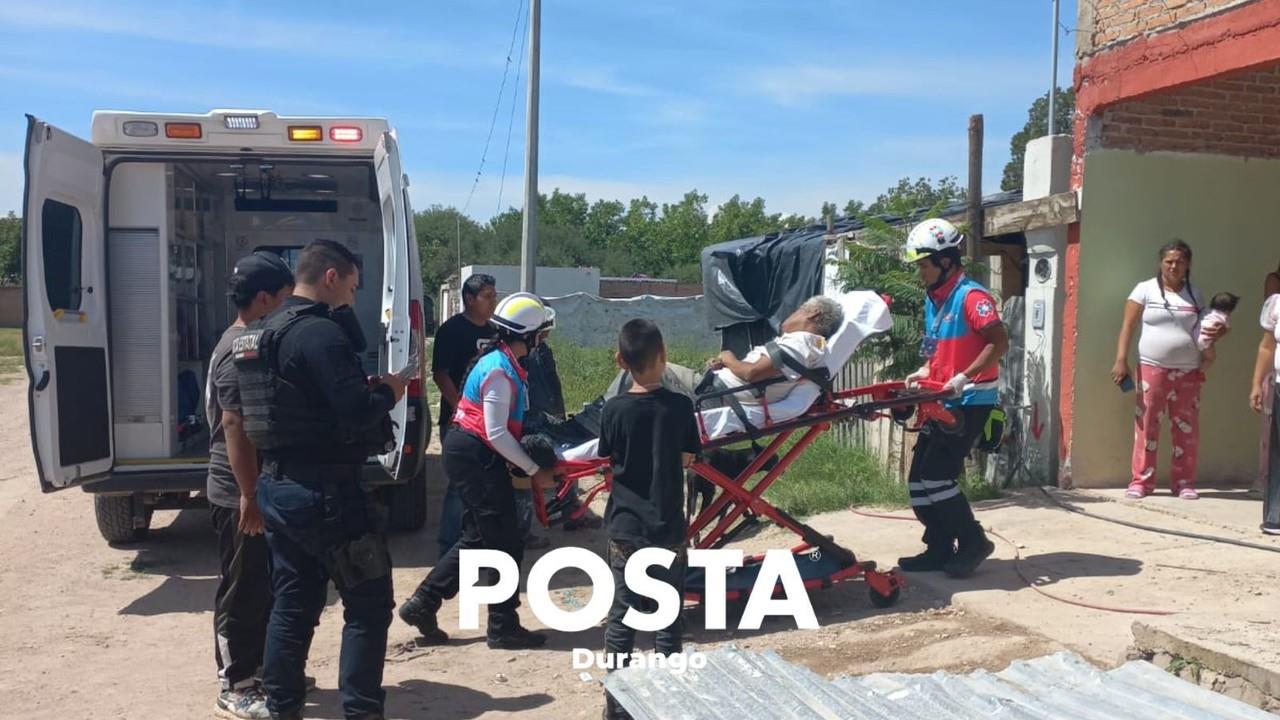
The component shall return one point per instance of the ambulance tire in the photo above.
(114, 514)
(407, 503)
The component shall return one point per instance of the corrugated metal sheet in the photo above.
(736, 685)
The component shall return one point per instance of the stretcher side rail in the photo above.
(926, 398)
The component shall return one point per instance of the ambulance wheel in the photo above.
(407, 503)
(114, 514)
(884, 601)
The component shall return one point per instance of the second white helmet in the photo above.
(929, 237)
(520, 313)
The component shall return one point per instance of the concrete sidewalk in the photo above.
(1190, 589)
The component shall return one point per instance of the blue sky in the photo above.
(795, 101)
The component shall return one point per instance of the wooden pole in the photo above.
(974, 190)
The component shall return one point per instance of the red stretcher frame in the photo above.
(738, 495)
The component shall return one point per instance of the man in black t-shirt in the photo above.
(650, 436)
(457, 343)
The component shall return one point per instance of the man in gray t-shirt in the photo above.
(222, 392)
(259, 284)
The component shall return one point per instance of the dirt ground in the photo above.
(91, 631)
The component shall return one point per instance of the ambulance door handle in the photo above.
(37, 345)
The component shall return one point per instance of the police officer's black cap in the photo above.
(262, 271)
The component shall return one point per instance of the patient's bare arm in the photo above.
(761, 369)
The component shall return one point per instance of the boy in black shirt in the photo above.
(650, 435)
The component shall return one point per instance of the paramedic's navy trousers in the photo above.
(934, 480)
(298, 537)
(489, 521)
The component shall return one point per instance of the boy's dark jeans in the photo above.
(618, 638)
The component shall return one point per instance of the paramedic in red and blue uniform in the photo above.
(964, 340)
(478, 454)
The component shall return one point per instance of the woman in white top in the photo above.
(1271, 286)
(1268, 366)
(1169, 375)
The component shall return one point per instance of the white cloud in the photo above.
(680, 112)
(602, 80)
(191, 96)
(940, 78)
(11, 180)
(236, 31)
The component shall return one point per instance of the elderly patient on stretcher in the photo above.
(816, 341)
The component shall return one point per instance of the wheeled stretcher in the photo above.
(810, 409)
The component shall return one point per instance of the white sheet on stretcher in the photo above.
(865, 314)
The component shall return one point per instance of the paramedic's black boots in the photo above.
(420, 612)
(938, 552)
(970, 555)
(974, 547)
(518, 638)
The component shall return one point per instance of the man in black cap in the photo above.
(259, 284)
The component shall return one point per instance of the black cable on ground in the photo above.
(1162, 531)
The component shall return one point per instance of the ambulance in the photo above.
(128, 239)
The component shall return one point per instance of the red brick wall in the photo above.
(1236, 114)
(1108, 22)
(615, 288)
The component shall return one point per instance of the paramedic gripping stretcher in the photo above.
(478, 450)
(962, 346)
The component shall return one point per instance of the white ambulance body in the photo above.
(128, 240)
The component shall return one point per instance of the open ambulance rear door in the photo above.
(396, 288)
(65, 321)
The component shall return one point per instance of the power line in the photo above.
(515, 92)
(506, 70)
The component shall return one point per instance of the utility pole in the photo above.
(1053, 84)
(974, 191)
(529, 230)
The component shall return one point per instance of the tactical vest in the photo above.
(280, 415)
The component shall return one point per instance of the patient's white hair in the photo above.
(828, 314)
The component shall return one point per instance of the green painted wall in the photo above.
(1228, 210)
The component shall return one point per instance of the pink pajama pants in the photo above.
(1175, 394)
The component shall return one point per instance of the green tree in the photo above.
(682, 231)
(875, 263)
(735, 219)
(563, 209)
(910, 197)
(1037, 125)
(604, 222)
(10, 249)
(854, 208)
(639, 235)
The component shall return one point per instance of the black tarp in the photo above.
(752, 285)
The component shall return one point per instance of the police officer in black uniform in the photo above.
(311, 411)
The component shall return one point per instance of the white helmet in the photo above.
(550, 324)
(929, 237)
(520, 313)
